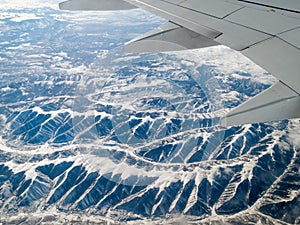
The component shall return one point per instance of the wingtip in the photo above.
(60, 6)
(63, 5)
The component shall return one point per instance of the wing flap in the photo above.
(95, 5)
(276, 103)
(168, 37)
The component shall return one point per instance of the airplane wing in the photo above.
(265, 31)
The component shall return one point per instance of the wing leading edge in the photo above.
(265, 31)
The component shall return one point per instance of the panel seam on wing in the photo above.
(270, 6)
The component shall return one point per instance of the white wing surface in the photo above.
(265, 31)
(95, 5)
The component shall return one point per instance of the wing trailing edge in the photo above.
(279, 102)
(95, 5)
(168, 37)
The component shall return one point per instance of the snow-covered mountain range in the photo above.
(92, 135)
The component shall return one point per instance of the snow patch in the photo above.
(294, 133)
(25, 16)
